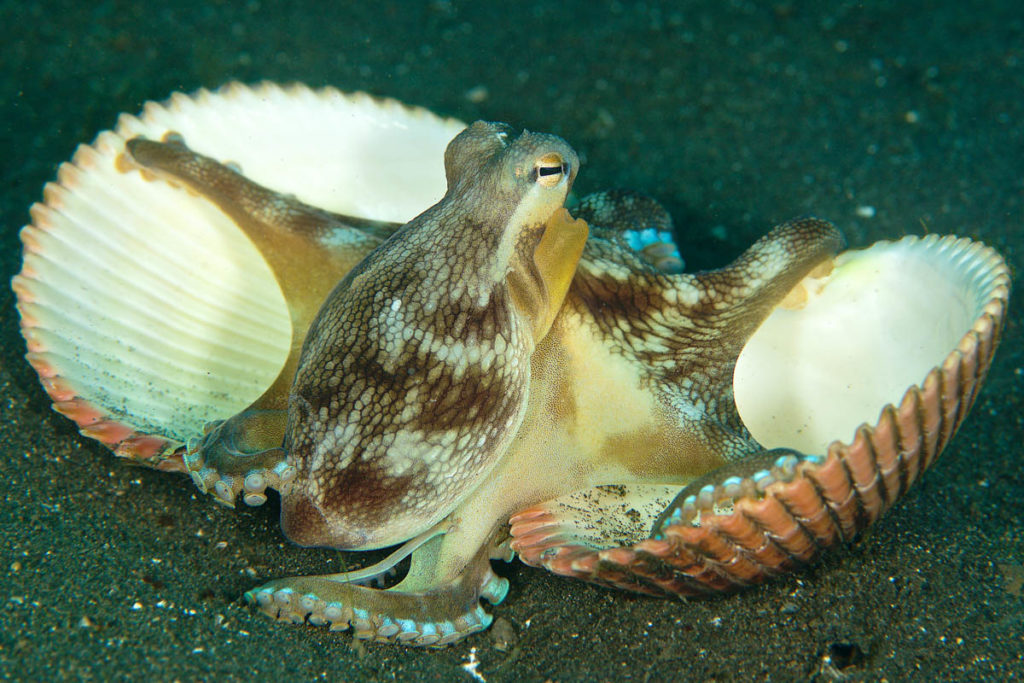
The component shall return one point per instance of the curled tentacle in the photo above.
(423, 609)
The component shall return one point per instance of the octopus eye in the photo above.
(550, 169)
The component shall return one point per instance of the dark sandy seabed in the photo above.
(736, 115)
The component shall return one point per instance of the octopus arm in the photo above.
(308, 250)
(631, 228)
(435, 604)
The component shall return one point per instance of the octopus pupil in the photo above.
(549, 170)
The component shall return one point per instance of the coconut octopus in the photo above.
(393, 320)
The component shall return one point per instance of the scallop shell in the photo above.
(146, 311)
(891, 346)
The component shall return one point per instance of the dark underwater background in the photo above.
(886, 118)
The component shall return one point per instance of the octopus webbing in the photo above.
(393, 320)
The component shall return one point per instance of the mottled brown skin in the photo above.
(414, 376)
(468, 369)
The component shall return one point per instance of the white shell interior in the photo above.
(878, 323)
(148, 302)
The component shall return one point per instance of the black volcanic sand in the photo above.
(736, 115)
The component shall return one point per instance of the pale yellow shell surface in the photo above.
(877, 324)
